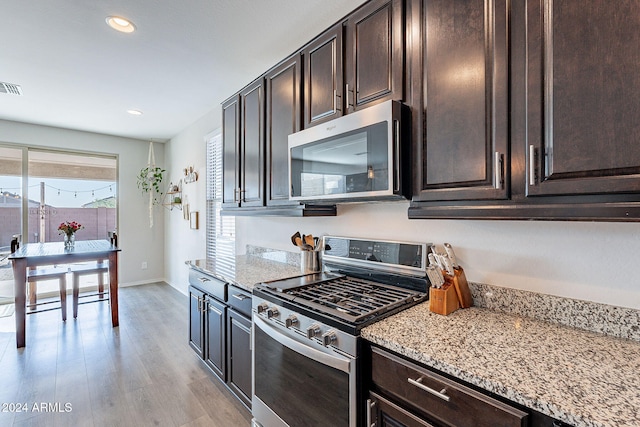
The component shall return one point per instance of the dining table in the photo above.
(56, 253)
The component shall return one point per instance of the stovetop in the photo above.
(346, 302)
(363, 282)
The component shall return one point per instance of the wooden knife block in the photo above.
(443, 300)
(462, 287)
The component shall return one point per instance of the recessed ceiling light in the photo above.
(135, 112)
(120, 24)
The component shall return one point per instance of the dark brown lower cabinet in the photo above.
(383, 413)
(403, 393)
(239, 355)
(220, 331)
(215, 337)
(196, 320)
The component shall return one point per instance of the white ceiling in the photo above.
(184, 59)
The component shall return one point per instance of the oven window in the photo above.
(300, 390)
(353, 162)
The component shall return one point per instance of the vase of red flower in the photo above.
(69, 230)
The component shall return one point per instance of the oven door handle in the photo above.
(338, 362)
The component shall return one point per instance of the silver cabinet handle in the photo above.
(498, 170)
(347, 95)
(336, 105)
(370, 405)
(396, 155)
(203, 279)
(240, 297)
(532, 165)
(418, 383)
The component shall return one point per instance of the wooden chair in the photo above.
(100, 268)
(59, 273)
(79, 270)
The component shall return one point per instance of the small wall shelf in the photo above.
(173, 197)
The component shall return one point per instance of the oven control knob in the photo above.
(272, 312)
(262, 307)
(329, 338)
(313, 331)
(290, 321)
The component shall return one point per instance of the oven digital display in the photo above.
(374, 251)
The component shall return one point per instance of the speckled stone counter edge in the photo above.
(610, 320)
(292, 258)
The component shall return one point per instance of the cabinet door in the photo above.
(195, 320)
(323, 77)
(582, 103)
(375, 54)
(384, 413)
(239, 355)
(231, 155)
(252, 145)
(216, 337)
(462, 153)
(283, 118)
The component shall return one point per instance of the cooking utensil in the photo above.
(293, 238)
(308, 239)
(452, 255)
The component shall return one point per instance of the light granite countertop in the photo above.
(245, 271)
(583, 378)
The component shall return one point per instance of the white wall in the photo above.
(182, 243)
(582, 260)
(138, 242)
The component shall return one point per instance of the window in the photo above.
(221, 230)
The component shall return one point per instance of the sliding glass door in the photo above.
(11, 208)
(71, 187)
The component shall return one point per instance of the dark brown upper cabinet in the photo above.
(374, 63)
(323, 77)
(374, 70)
(252, 144)
(243, 148)
(283, 114)
(460, 80)
(231, 152)
(582, 97)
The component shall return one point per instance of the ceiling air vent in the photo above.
(10, 88)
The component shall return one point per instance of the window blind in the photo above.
(221, 230)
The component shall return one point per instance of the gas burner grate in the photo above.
(353, 298)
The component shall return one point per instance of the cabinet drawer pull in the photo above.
(498, 170)
(203, 279)
(532, 165)
(370, 405)
(240, 297)
(418, 383)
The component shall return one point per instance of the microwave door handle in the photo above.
(396, 155)
(341, 363)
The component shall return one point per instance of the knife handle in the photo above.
(448, 266)
(451, 254)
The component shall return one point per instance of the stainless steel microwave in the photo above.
(356, 157)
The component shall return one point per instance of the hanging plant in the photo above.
(150, 180)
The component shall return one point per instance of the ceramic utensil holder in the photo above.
(310, 261)
(443, 300)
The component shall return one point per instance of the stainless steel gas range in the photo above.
(306, 344)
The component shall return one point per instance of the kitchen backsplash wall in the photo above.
(581, 260)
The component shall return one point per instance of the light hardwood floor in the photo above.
(142, 373)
